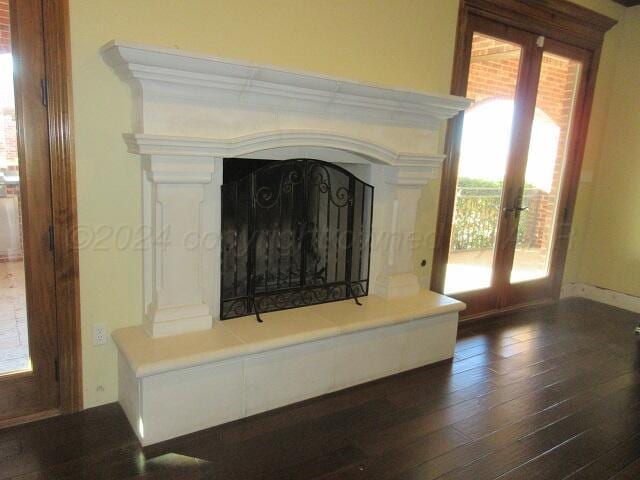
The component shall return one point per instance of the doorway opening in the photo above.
(510, 181)
(482, 165)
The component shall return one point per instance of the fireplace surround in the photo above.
(182, 368)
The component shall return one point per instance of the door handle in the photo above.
(517, 204)
(514, 209)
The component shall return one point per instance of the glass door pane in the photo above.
(546, 160)
(14, 348)
(484, 151)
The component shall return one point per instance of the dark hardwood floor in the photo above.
(552, 393)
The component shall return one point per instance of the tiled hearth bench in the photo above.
(171, 386)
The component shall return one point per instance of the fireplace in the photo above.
(294, 233)
(257, 193)
(200, 120)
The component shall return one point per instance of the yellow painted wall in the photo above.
(610, 256)
(402, 43)
(593, 151)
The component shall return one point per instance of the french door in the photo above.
(516, 154)
(28, 328)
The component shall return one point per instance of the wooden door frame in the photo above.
(555, 19)
(53, 80)
(63, 189)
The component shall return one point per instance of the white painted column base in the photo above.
(176, 320)
(397, 286)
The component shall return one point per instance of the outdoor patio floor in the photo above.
(471, 270)
(14, 343)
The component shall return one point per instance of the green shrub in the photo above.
(477, 213)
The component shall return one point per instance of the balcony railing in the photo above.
(477, 213)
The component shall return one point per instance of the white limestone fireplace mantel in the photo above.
(191, 111)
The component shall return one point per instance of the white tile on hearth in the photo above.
(427, 303)
(280, 329)
(129, 388)
(191, 399)
(350, 317)
(369, 354)
(429, 340)
(287, 375)
(150, 356)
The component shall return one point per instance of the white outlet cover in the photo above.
(100, 334)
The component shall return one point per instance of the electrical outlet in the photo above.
(99, 334)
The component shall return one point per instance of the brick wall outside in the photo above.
(8, 147)
(8, 143)
(5, 32)
(495, 78)
(8, 138)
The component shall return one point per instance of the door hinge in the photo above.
(51, 238)
(44, 90)
(56, 366)
(540, 41)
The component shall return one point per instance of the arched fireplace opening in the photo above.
(294, 233)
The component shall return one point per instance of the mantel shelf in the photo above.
(176, 73)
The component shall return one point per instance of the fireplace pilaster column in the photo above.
(395, 238)
(181, 236)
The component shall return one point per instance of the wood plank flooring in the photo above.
(552, 393)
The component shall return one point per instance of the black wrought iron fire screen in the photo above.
(294, 233)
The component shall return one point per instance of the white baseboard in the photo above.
(602, 295)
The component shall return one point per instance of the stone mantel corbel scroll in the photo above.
(193, 110)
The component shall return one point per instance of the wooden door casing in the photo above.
(40, 46)
(30, 392)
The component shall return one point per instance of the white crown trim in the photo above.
(176, 73)
(166, 145)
